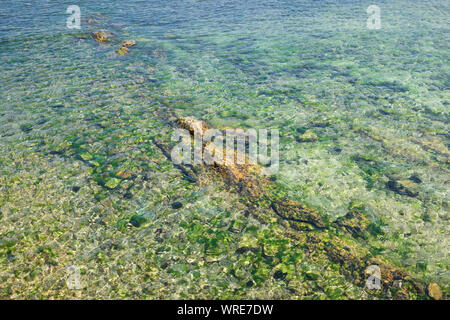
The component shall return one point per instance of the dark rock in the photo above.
(403, 187)
(312, 276)
(301, 130)
(385, 112)
(128, 195)
(295, 211)
(279, 275)
(320, 124)
(26, 127)
(415, 178)
(335, 150)
(137, 221)
(354, 222)
(177, 205)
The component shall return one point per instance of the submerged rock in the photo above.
(122, 51)
(112, 183)
(177, 205)
(137, 221)
(415, 178)
(279, 275)
(26, 127)
(295, 211)
(354, 222)
(434, 291)
(124, 174)
(308, 136)
(403, 187)
(128, 43)
(100, 36)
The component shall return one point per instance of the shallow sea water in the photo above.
(78, 163)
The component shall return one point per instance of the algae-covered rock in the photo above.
(297, 212)
(355, 221)
(122, 51)
(137, 221)
(434, 291)
(112, 183)
(124, 174)
(403, 187)
(86, 156)
(100, 36)
(128, 43)
(308, 136)
(26, 127)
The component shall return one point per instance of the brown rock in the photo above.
(100, 36)
(128, 43)
(122, 51)
(401, 295)
(124, 174)
(434, 291)
(297, 212)
(193, 125)
(354, 222)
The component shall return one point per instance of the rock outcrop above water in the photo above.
(101, 36)
(128, 43)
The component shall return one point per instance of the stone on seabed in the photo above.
(434, 291)
(308, 136)
(128, 43)
(100, 36)
(122, 51)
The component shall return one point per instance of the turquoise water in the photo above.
(73, 114)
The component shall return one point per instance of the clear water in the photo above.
(73, 114)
